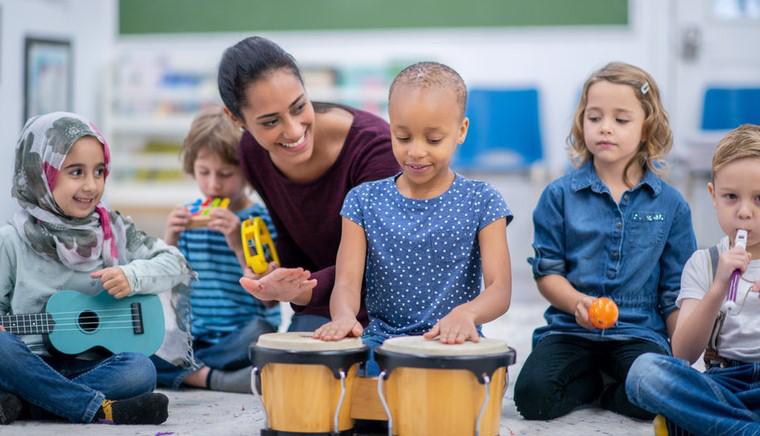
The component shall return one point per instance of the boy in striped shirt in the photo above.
(226, 318)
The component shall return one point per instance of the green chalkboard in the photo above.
(182, 16)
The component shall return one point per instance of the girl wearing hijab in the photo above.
(64, 237)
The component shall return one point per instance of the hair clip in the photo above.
(644, 88)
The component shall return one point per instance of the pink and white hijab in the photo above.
(103, 239)
(83, 244)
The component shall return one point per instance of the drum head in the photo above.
(481, 358)
(302, 341)
(418, 345)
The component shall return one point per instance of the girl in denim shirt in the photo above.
(612, 227)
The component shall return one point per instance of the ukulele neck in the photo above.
(28, 324)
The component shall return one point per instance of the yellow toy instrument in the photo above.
(255, 237)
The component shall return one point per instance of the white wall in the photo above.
(90, 25)
(555, 59)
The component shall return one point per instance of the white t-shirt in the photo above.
(740, 337)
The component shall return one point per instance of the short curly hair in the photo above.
(211, 130)
(432, 74)
(656, 136)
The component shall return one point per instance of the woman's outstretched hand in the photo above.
(280, 284)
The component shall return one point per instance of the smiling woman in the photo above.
(302, 158)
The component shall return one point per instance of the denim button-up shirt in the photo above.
(632, 252)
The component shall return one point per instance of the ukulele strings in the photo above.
(108, 322)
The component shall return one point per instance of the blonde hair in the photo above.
(656, 137)
(213, 130)
(741, 143)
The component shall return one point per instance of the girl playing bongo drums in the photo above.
(419, 240)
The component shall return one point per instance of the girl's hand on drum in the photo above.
(339, 329)
(455, 328)
(282, 284)
(581, 312)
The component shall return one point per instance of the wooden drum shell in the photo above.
(443, 401)
(437, 389)
(302, 398)
(300, 382)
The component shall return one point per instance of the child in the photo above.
(614, 228)
(418, 239)
(726, 398)
(226, 319)
(65, 238)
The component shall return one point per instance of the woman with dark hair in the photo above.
(302, 158)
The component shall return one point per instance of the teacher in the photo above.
(302, 157)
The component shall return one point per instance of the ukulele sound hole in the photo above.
(88, 321)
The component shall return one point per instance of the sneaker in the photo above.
(10, 408)
(660, 426)
(146, 409)
(663, 427)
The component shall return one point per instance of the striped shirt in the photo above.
(219, 304)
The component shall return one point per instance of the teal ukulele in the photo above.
(74, 322)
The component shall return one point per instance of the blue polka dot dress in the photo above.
(423, 256)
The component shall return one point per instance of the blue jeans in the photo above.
(306, 322)
(68, 387)
(718, 401)
(230, 353)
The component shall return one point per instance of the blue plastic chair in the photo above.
(505, 132)
(728, 108)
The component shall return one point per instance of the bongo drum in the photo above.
(305, 383)
(440, 389)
